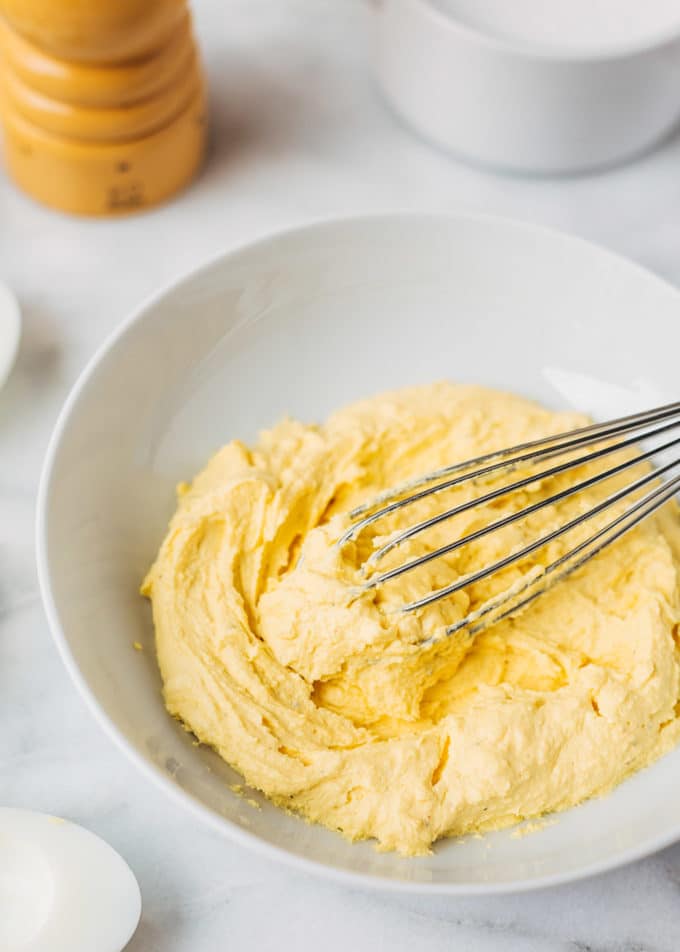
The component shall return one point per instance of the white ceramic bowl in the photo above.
(301, 323)
(471, 83)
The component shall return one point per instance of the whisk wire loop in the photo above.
(508, 460)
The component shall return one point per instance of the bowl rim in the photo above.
(153, 772)
(548, 53)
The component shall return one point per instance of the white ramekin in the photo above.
(519, 106)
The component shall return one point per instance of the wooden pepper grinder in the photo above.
(102, 103)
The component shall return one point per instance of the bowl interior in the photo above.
(300, 324)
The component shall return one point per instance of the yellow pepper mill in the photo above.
(102, 103)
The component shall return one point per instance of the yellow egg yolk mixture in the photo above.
(324, 697)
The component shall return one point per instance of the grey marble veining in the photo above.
(298, 132)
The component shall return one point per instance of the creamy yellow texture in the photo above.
(324, 699)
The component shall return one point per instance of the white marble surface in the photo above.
(298, 132)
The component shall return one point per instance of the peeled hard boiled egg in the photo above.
(62, 889)
(10, 330)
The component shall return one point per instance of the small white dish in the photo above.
(301, 323)
(62, 889)
(533, 86)
(10, 331)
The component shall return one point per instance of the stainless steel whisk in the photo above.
(648, 425)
